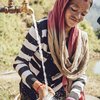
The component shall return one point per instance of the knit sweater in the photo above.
(29, 65)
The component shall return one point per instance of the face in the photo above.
(76, 12)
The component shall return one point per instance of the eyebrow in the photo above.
(78, 7)
(74, 5)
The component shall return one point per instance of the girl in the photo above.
(65, 54)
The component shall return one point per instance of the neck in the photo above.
(67, 30)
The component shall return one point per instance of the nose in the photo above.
(78, 15)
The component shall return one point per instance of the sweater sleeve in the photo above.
(21, 64)
(78, 84)
(78, 87)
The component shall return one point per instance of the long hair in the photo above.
(56, 17)
(57, 44)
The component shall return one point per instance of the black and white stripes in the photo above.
(28, 62)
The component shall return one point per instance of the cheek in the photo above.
(81, 19)
(67, 15)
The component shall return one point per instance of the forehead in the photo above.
(82, 4)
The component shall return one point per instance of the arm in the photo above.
(78, 87)
(78, 84)
(22, 60)
(22, 64)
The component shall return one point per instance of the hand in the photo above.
(70, 98)
(43, 92)
(41, 89)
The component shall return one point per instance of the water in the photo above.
(96, 68)
(40, 49)
(49, 96)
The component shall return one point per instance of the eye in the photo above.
(83, 14)
(73, 9)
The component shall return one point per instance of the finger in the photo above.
(51, 90)
(39, 99)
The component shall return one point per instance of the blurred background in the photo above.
(13, 29)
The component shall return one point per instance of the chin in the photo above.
(72, 25)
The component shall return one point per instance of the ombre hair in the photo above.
(57, 43)
(56, 16)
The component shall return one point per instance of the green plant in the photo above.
(11, 37)
(93, 40)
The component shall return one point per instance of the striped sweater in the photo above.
(29, 66)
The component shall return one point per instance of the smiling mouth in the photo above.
(74, 20)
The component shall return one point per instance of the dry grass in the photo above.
(93, 84)
(9, 86)
(93, 87)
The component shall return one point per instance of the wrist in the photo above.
(70, 98)
(36, 85)
(38, 88)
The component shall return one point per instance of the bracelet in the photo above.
(38, 87)
(70, 98)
